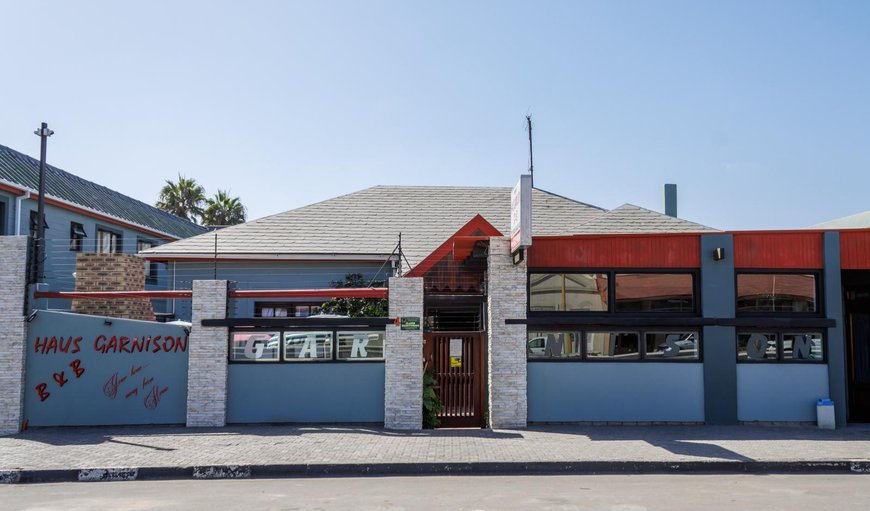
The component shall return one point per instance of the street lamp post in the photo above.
(43, 133)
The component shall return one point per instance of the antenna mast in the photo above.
(531, 155)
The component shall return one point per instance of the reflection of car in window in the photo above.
(685, 342)
(537, 346)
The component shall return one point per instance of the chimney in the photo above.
(671, 200)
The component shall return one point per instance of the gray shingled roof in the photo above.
(368, 222)
(856, 221)
(22, 170)
(631, 219)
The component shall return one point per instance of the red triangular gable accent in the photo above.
(478, 224)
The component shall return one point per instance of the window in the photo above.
(554, 344)
(2, 217)
(655, 292)
(34, 222)
(602, 345)
(150, 266)
(108, 242)
(777, 292)
(305, 346)
(801, 347)
(286, 309)
(254, 346)
(614, 345)
(360, 345)
(264, 345)
(77, 236)
(568, 291)
(671, 345)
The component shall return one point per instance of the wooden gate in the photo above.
(460, 378)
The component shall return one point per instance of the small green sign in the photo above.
(411, 323)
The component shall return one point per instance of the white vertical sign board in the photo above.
(521, 214)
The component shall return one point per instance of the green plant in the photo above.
(431, 401)
(356, 307)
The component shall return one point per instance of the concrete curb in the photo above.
(431, 469)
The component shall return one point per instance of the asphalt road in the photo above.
(611, 492)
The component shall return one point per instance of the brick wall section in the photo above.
(13, 268)
(506, 344)
(207, 357)
(112, 272)
(403, 353)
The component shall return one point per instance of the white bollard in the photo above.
(825, 414)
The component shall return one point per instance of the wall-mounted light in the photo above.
(107, 322)
(718, 253)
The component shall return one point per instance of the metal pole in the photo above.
(531, 158)
(43, 132)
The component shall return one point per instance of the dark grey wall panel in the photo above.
(720, 342)
(833, 290)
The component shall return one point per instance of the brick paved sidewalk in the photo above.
(290, 445)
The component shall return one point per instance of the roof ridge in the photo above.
(570, 199)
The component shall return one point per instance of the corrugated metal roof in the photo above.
(631, 219)
(368, 222)
(18, 168)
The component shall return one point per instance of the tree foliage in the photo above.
(183, 198)
(223, 210)
(355, 307)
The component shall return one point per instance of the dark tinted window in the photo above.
(776, 292)
(568, 291)
(655, 292)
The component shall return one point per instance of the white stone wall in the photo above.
(13, 268)
(506, 344)
(207, 362)
(403, 353)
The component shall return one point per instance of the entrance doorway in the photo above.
(457, 361)
(858, 352)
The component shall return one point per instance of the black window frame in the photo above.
(119, 245)
(780, 359)
(642, 353)
(4, 207)
(611, 292)
(333, 359)
(150, 266)
(76, 240)
(820, 294)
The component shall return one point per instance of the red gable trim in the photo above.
(11, 189)
(478, 223)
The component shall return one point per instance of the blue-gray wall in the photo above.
(780, 392)
(306, 392)
(115, 388)
(60, 260)
(265, 275)
(615, 391)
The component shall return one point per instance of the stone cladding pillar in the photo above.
(13, 273)
(506, 344)
(207, 358)
(403, 354)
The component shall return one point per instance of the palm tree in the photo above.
(184, 198)
(223, 210)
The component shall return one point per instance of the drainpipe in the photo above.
(18, 202)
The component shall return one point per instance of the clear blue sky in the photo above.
(759, 110)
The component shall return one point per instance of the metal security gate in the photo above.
(458, 364)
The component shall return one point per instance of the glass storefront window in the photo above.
(756, 346)
(360, 345)
(568, 291)
(802, 347)
(671, 345)
(613, 345)
(306, 346)
(776, 292)
(553, 344)
(254, 346)
(655, 292)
